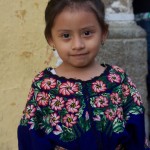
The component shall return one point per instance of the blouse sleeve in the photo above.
(133, 112)
(30, 136)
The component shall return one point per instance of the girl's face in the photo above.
(77, 36)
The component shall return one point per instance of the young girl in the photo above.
(81, 105)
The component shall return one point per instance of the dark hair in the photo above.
(55, 7)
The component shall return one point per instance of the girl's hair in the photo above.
(55, 7)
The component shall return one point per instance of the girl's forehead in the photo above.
(67, 12)
(71, 19)
(72, 14)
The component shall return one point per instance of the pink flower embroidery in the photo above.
(70, 120)
(115, 98)
(147, 143)
(98, 86)
(101, 101)
(125, 90)
(137, 98)
(58, 130)
(131, 83)
(68, 88)
(40, 75)
(97, 118)
(48, 84)
(120, 113)
(29, 111)
(114, 78)
(57, 103)
(32, 124)
(42, 99)
(86, 115)
(110, 114)
(30, 94)
(72, 105)
(54, 119)
(118, 69)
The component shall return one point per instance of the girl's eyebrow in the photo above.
(88, 27)
(63, 30)
(84, 28)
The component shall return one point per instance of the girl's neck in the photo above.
(82, 73)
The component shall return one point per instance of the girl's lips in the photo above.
(80, 54)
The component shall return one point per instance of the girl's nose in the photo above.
(78, 43)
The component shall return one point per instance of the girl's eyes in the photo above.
(87, 33)
(65, 36)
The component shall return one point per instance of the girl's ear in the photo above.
(105, 33)
(104, 36)
(50, 42)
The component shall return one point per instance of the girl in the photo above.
(81, 105)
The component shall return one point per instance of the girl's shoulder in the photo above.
(111, 71)
(114, 71)
(46, 73)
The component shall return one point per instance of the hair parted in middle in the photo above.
(55, 7)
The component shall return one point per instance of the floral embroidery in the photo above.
(40, 75)
(131, 83)
(30, 94)
(101, 101)
(97, 118)
(68, 88)
(58, 130)
(54, 119)
(115, 98)
(110, 114)
(57, 103)
(118, 69)
(98, 86)
(72, 105)
(64, 106)
(120, 113)
(42, 99)
(114, 78)
(29, 111)
(137, 98)
(125, 90)
(48, 84)
(70, 120)
(87, 115)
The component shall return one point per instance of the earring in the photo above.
(53, 49)
(102, 43)
(104, 63)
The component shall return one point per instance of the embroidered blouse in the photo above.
(104, 113)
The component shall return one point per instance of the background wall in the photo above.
(23, 53)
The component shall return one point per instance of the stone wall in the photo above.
(118, 6)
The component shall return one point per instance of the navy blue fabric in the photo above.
(132, 137)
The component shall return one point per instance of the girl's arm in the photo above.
(134, 116)
(30, 134)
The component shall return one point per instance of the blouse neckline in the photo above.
(53, 73)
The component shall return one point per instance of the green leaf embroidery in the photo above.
(118, 126)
